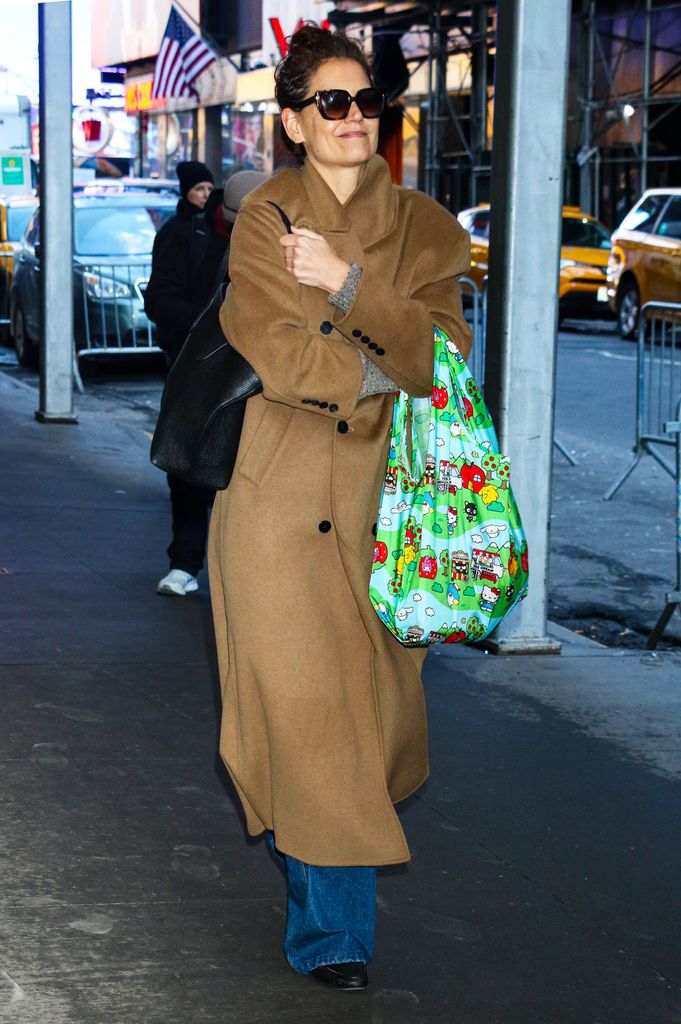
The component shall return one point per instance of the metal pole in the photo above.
(430, 108)
(645, 112)
(56, 214)
(527, 174)
(586, 190)
(478, 95)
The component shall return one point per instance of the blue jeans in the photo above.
(331, 913)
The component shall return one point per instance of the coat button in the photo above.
(357, 333)
(323, 405)
(333, 407)
(365, 339)
(326, 327)
(324, 526)
(380, 351)
(342, 427)
(372, 345)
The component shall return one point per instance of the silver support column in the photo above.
(56, 214)
(533, 40)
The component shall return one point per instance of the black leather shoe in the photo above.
(348, 977)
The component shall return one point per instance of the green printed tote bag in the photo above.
(450, 559)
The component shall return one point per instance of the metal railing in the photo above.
(476, 361)
(674, 596)
(478, 324)
(658, 384)
(6, 267)
(112, 317)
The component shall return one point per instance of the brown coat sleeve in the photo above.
(264, 319)
(400, 328)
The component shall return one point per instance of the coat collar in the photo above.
(371, 210)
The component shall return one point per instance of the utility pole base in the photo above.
(45, 417)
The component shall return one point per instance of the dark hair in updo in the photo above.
(308, 49)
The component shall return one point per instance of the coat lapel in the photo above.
(371, 211)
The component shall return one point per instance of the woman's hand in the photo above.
(312, 261)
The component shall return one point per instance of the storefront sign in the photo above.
(281, 18)
(15, 173)
(275, 24)
(12, 172)
(138, 97)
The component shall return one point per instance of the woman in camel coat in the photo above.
(324, 723)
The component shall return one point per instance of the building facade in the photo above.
(624, 112)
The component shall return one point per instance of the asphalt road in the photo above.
(611, 562)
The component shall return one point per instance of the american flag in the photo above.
(181, 59)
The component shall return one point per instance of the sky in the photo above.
(19, 49)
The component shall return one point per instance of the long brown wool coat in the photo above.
(324, 724)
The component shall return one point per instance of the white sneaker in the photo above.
(177, 582)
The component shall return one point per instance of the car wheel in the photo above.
(628, 310)
(24, 346)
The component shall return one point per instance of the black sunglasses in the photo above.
(334, 104)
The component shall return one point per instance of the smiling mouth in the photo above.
(353, 135)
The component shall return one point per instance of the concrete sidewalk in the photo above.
(544, 883)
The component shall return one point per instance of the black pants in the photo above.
(190, 506)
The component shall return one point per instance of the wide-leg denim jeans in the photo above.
(331, 913)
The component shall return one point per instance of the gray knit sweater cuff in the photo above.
(374, 381)
(345, 295)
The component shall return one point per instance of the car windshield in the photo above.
(588, 234)
(102, 230)
(643, 216)
(17, 220)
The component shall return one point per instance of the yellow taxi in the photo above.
(585, 248)
(15, 213)
(645, 261)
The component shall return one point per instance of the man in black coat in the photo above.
(186, 258)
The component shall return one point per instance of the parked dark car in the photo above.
(15, 213)
(113, 239)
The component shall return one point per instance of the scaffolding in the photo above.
(627, 90)
(625, 85)
(454, 163)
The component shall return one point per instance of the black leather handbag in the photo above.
(204, 400)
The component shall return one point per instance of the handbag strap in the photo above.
(222, 270)
(284, 219)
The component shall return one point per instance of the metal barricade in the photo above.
(658, 383)
(478, 321)
(477, 318)
(110, 319)
(674, 596)
(6, 269)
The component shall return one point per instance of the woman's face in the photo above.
(334, 144)
(198, 195)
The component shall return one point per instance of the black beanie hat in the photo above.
(191, 173)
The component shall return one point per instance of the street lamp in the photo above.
(628, 110)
